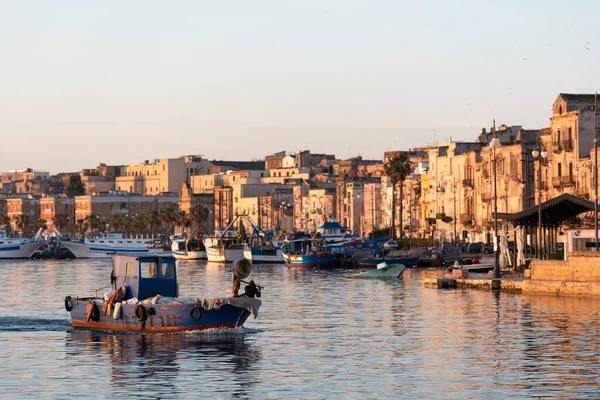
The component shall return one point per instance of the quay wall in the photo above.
(581, 267)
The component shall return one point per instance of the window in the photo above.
(559, 169)
(167, 270)
(571, 170)
(558, 135)
(130, 269)
(148, 269)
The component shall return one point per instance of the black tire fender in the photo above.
(196, 313)
(141, 313)
(68, 303)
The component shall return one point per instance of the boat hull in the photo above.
(256, 256)
(88, 250)
(167, 318)
(309, 260)
(13, 249)
(222, 255)
(372, 262)
(190, 255)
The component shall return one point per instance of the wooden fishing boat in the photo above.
(308, 253)
(145, 298)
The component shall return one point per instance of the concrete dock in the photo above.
(512, 285)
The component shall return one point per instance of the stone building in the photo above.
(122, 205)
(27, 206)
(51, 206)
(188, 200)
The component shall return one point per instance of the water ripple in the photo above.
(318, 335)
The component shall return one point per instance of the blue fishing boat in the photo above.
(145, 298)
(260, 247)
(308, 253)
(371, 262)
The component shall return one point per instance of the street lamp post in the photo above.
(542, 155)
(495, 142)
(597, 130)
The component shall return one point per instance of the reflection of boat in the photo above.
(383, 271)
(145, 298)
(188, 249)
(128, 358)
(312, 253)
(109, 242)
(19, 247)
(373, 261)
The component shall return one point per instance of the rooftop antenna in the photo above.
(434, 142)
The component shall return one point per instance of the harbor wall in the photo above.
(580, 267)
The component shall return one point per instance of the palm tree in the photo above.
(40, 223)
(397, 169)
(61, 220)
(81, 225)
(139, 223)
(115, 222)
(93, 222)
(199, 214)
(127, 224)
(5, 221)
(22, 222)
(168, 217)
(183, 220)
(153, 221)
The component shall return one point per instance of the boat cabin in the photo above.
(305, 246)
(332, 229)
(145, 276)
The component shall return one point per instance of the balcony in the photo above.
(562, 145)
(466, 219)
(558, 181)
(486, 197)
(468, 183)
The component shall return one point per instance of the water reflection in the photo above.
(159, 364)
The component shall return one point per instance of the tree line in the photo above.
(153, 222)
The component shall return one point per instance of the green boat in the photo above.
(383, 271)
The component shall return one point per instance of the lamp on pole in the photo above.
(494, 143)
(540, 156)
(596, 129)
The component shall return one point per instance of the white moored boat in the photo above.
(19, 247)
(223, 250)
(110, 242)
(188, 249)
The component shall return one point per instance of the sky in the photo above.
(120, 82)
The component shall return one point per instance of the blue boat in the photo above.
(260, 247)
(372, 262)
(145, 298)
(308, 253)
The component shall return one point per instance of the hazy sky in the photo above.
(119, 82)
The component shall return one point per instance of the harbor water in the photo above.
(319, 334)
